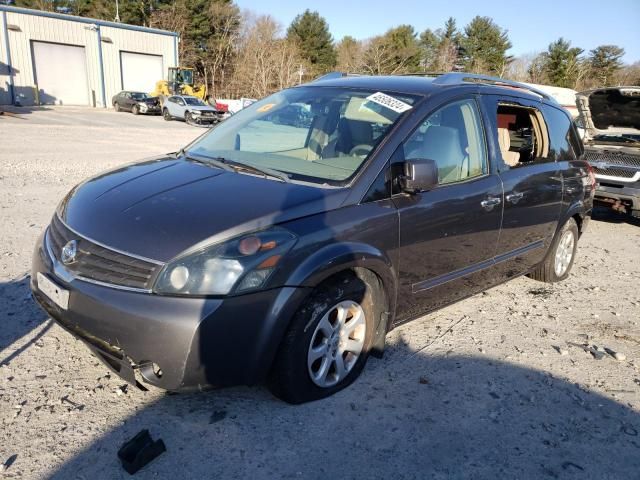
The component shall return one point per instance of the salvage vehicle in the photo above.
(192, 110)
(264, 252)
(136, 103)
(611, 117)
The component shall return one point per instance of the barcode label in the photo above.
(389, 102)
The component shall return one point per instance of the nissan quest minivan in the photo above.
(279, 251)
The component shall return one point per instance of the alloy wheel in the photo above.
(336, 344)
(564, 253)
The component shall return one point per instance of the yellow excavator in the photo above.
(179, 82)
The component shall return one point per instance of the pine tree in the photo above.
(310, 32)
(562, 63)
(484, 47)
(604, 62)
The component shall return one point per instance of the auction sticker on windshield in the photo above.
(56, 294)
(389, 102)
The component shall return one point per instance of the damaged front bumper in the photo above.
(174, 343)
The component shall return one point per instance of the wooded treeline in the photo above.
(243, 54)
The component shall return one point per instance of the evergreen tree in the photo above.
(310, 32)
(604, 62)
(562, 63)
(484, 47)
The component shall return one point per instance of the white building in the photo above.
(49, 58)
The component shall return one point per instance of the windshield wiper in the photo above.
(233, 166)
(216, 162)
(264, 171)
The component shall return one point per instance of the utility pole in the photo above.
(117, 19)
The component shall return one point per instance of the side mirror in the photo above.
(420, 174)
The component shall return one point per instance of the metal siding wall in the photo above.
(48, 30)
(5, 95)
(75, 33)
(136, 42)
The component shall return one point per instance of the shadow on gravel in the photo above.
(408, 416)
(19, 315)
(603, 214)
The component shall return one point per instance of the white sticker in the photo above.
(389, 102)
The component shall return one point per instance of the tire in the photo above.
(166, 115)
(116, 106)
(291, 375)
(188, 117)
(565, 243)
(135, 109)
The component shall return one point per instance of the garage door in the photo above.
(140, 71)
(60, 73)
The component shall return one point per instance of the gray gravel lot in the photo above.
(496, 386)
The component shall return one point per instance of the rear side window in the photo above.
(523, 136)
(561, 133)
(453, 137)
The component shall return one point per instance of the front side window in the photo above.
(452, 137)
(316, 134)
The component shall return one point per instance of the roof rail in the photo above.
(453, 78)
(334, 75)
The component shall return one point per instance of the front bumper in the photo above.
(625, 193)
(196, 342)
(150, 109)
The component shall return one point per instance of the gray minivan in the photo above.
(281, 251)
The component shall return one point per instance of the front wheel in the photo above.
(189, 118)
(328, 341)
(135, 110)
(166, 115)
(116, 106)
(559, 259)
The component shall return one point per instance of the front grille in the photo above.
(95, 262)
(612, 158)
(615, 172)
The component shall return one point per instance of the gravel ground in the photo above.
(497, 386)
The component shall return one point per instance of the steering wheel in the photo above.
(362, 149)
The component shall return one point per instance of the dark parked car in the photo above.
(611, 117)
(136, 103)
(263, 252)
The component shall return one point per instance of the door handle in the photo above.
(489, 203)
(514, 197)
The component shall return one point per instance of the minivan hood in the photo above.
(161, 207)
(610, 111)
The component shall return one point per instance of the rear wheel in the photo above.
(559, 259)
(166, 115)
(135, 110)
(328, 341)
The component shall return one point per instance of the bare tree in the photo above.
(266, 62)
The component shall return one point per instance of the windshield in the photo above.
(316, 134)
(193, 101)
(138, 95)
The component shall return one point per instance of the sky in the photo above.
(531, 25)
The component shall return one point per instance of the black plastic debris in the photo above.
(8, 462)
(139, 451)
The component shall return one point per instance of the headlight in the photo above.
(196, 112)
(143, 106)
(242, 264)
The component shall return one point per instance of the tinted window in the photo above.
(560, 132)
(453, 137)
